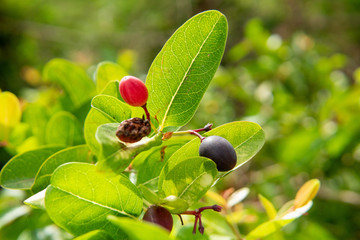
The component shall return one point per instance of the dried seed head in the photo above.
(133, 130)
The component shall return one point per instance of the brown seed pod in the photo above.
(133, 130)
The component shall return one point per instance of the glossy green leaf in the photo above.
(182, 71)
(153, 160)
(186, 233)
(149, 194)
(10, 114)
(217, 223)
(79, 153)
(105, 109)
(268, 206)
(187, 179)
(94, 235)
(80, 197)
(20, 171)
(63, 128)
(106, 72)
(112, 89)
(72, 78)
(116, 155)
(246, 137)
(137, 230)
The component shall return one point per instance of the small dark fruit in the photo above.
(160, 216)
(133, 130)
(220, 151)
(133, 91)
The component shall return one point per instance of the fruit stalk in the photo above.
(146, 112)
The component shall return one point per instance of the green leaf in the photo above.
(137, 230)
(149, 194)
(79, 153)
(94, 235)
(106, 72)
(105, 109)
(37, 117)
(186, 233)
(187, 179)
(10, 114)
(153, 160)
(218, 223)
(246, 137)
(112, 89)
(72, 78)
(116, 155)
(80, 197)
(182, 71)
(63, 128)
(267, 228)
(268, 206)
(20, 171)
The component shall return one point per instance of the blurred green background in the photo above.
(291, 66)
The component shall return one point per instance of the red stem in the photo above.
(146, 112)
(193, 132)
(197, 214)
(206, 128)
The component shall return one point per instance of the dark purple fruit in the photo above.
(220, 151)
(160, 216)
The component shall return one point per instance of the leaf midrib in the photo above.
(192, 182)
(184, 77)
(93, 202)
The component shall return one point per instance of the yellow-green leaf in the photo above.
(267, 228)
(107, 72)
(306, 193)
(10, 114)
(268, 206)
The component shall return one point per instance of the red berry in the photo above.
(133, 91)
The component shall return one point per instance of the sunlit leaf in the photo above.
(105, 109)
(37, 200)
(80, 197)
(73, 79)
(20, 171)
(268, 206)
(137, 230)
(187, 179)
(106, 72)
(10, 114)
(79, 153)
(306, 193)
(182, 71)
(94, 235)
(267, 228)
(63, 128)
(186, 233)
(37, 117)
(246, 137)
(116, 155)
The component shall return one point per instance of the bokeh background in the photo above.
(291, 66)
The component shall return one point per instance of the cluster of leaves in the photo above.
(308, 107)
(81, 175)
